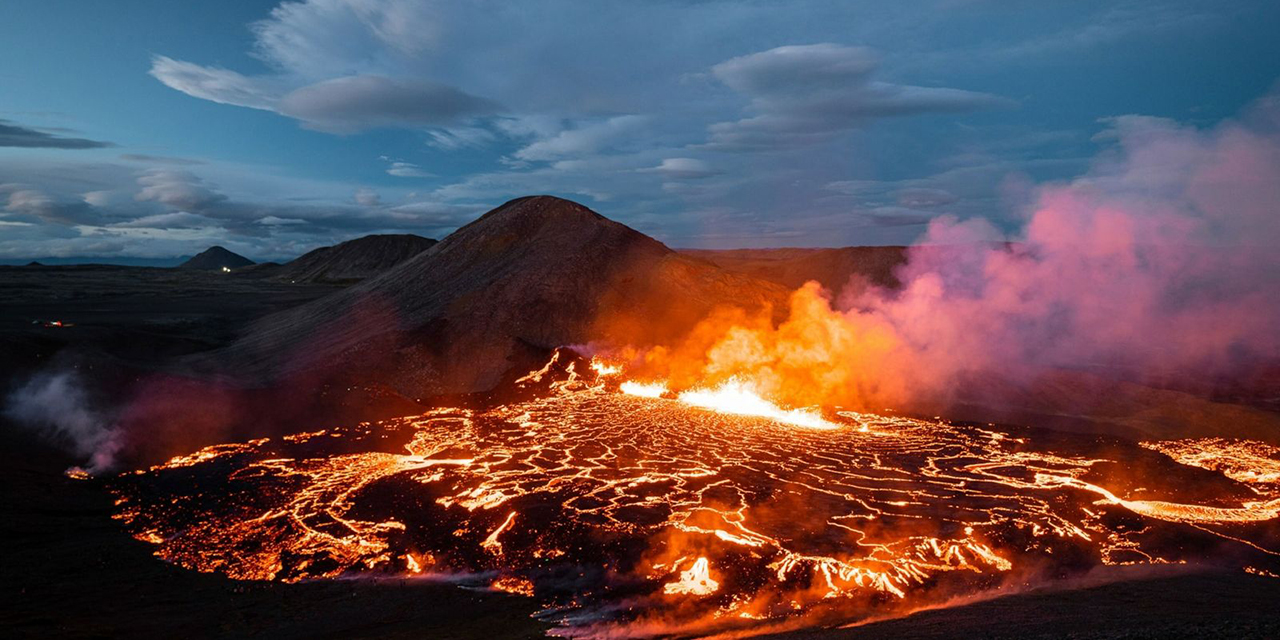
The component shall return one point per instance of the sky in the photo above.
(152, 128)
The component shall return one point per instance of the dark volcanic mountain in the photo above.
(832, 268)
(531, 275)
(215, 258)
(354, 260)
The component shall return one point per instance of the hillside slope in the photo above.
(353, 260)
(215, 258)
(531, 275)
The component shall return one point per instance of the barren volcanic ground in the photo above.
(136, 315)
(625, 515)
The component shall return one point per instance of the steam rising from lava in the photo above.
(56, 404)
(1160, 264)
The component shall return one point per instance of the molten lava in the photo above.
(735, 397)
(643, 389)
(696, 581)
(627, 509)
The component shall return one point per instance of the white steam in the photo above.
(56, 406)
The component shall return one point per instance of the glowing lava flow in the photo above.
(734, 397)
(696, 581)
(628, 514)
(1253, 463)
(491, 543)
(643, 389)
(1174, 512)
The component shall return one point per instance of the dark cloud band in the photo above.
(13, 135)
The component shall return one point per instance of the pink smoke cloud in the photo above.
(1160, 261)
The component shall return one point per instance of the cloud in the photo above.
(319, 37)
(797, 68)
(1116, 24)
(150, 159)
(451, 138)
(274, 221)
(408, 170)
(37, 206)
(367, 197)
(167, 211)
(436, 215)
(172, 220)
(923, 197)
(853, 187)
(355, 103)
(542, 91)
(347, 104)
(218, 85)
(584, 140)
(801, 94)
(178, 189)
(683, 168)
(100, 198)
(13, 135)
(895, 217)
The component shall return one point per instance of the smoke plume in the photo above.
(1157, 265)
(55, 405)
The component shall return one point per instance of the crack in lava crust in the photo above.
(627, 515)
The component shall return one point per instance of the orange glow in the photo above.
(412, 563)
(707, 504)
(1174, 512)
(643, 389)
(515, 585)
(604, 369)
(818, 357)
(77, 473)
(1254, 463)
(734, 397)
(695, 581)
(491, 543)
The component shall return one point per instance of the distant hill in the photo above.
(126, 261)
(533, 274)
(353, 260)
(215, 258)
(832, 268)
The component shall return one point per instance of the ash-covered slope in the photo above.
(354, 260)
(832, 268)
(533, 274)
(215, 258)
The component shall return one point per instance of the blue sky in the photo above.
(157, 128)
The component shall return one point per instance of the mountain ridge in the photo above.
(353, 260)
(530, 275)
(215, 258)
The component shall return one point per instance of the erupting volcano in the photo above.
(610, 320)
(625, 509)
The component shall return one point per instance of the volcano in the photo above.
(531, 275)
(215, 258)
(353, 260)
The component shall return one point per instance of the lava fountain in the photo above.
(625, 509)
